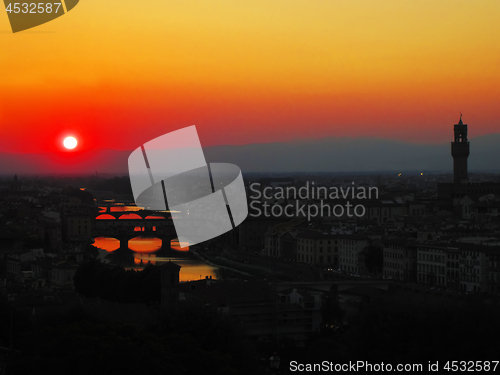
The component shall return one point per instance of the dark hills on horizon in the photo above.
(318, 155)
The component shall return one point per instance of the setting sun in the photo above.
(70, 142)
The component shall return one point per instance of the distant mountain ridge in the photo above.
(321, 155)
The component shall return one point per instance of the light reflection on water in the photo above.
(120, 208)
(191, 269)
(145, 251)
(144, 259)
(107, 243)
(125, 208)
(145, 244)
(176, 245)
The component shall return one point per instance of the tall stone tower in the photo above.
(460, 151)
(170, 285)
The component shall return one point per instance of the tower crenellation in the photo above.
(460, 150)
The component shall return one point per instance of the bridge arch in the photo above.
(105, 217)
(130, 216)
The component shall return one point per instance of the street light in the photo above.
(275, 362)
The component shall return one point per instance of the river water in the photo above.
(142, 251)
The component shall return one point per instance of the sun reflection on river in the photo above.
(175, 245)
(107, 243)
(144, 259)
(145, 244)
(191, 269)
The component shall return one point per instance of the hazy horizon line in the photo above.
(292, 141)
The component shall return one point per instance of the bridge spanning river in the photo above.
(125, 225)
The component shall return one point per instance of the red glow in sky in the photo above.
(266, 72)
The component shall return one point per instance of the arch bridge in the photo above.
(106, 213)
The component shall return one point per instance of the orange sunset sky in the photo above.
(118, 73)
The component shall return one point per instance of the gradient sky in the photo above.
(118, 73)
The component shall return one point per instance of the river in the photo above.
(142, 251)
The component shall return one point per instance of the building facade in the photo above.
(349, 252)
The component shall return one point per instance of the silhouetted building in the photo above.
(461, 187)
(170, 284)
(350, 246)
(78, 215)
(460, 150)
(17, 261)
(293, 314)
(16, 186)
(465, 267)
(318, 248)
(400, 260)
(62, 274)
